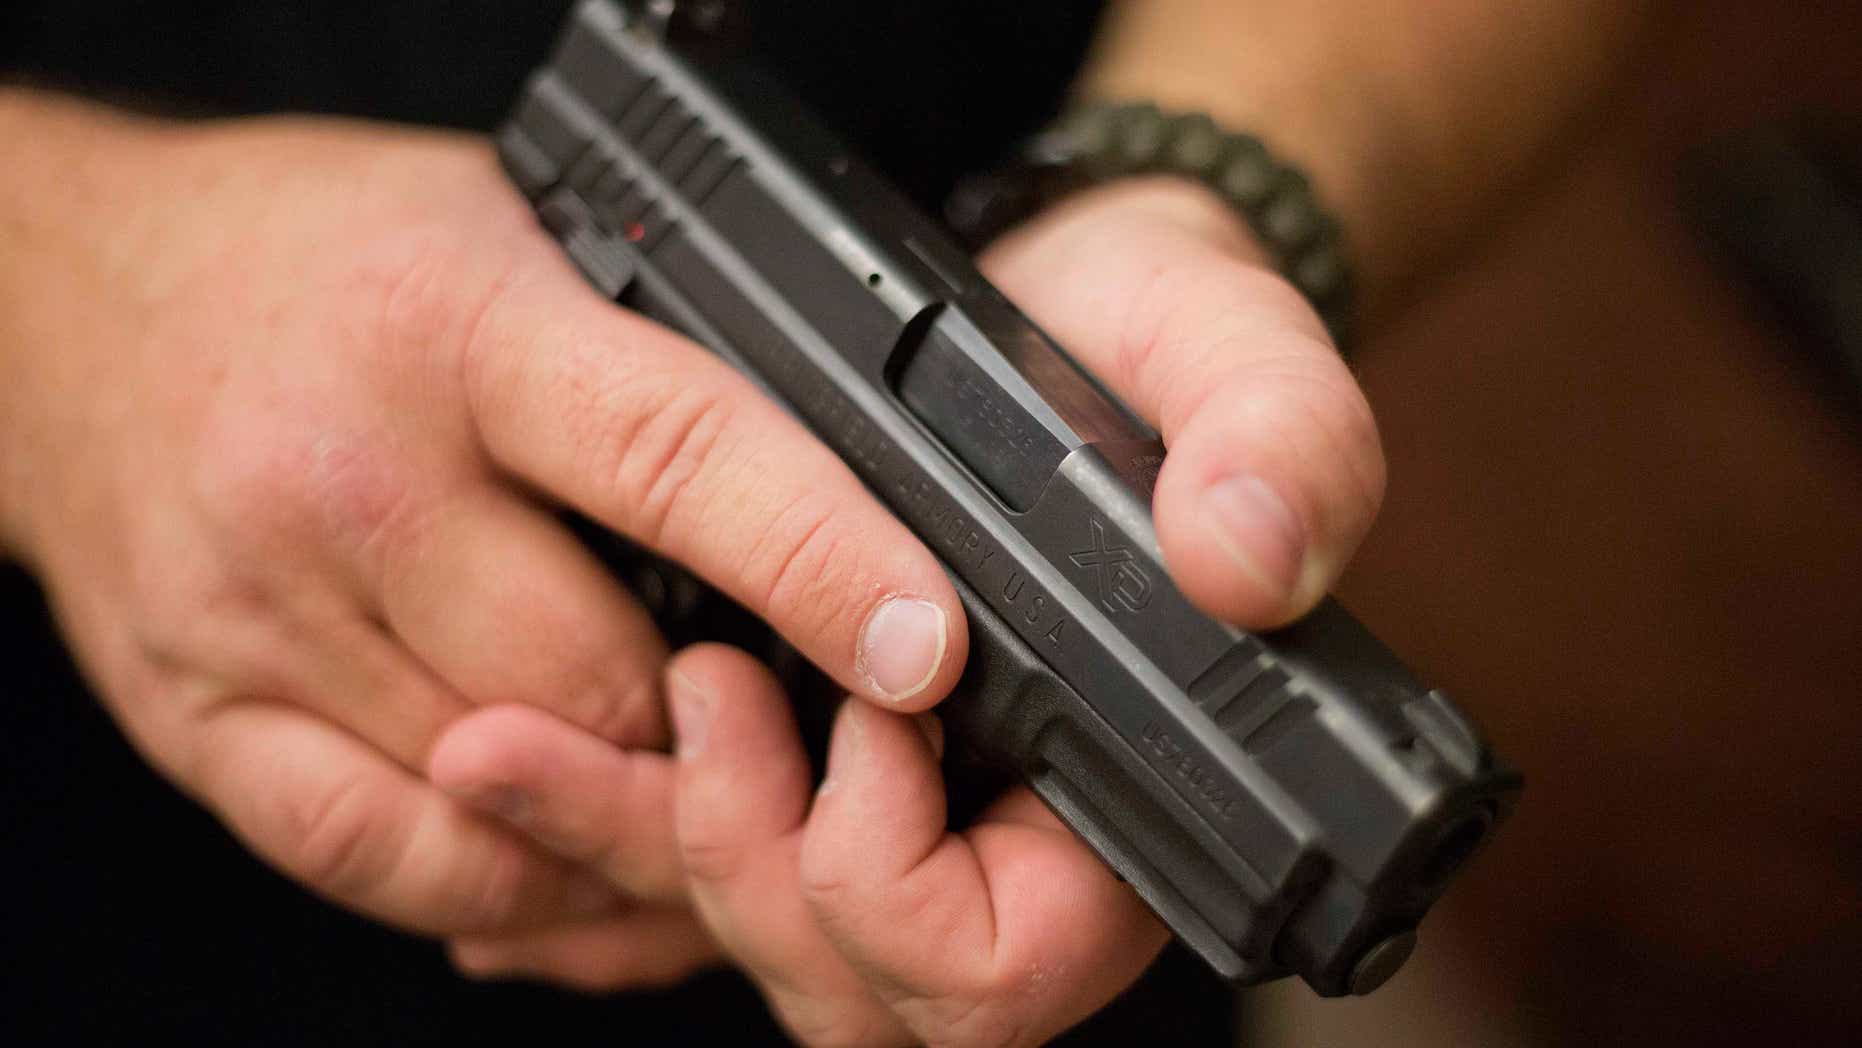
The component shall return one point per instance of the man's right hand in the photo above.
(287, 409)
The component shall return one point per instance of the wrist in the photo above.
(58, 205)
(1100, 143)
(1276, 78)
(1165, 201)
(1413, 121)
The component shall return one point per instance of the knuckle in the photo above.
(709, 862)
(337, 839)
(249, 479)
(1194, 311)
(169, 721)
(359, 492)
(828, 901)
(1322, 408)
(1147, 326)
(848, 904)
(188, 612)
(805, 557)
(226, 634)
(433, 291)
(278, 482)
(494, 895)
(1318, 400)
(652, 453)
(825, 885)
(419, 307)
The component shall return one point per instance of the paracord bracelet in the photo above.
(1102, 141)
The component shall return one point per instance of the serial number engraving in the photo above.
(979, 403)
(1171, 755)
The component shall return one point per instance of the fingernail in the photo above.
(691, 714)
(1258, 530)
(901, 646)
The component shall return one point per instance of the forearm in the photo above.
(1414, 120)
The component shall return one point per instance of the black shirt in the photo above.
(927, 90)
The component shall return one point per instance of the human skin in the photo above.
(829, 899)
(1413, 121)
(287, 407)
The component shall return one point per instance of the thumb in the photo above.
(1274, 472)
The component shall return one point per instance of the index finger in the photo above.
(647, 433)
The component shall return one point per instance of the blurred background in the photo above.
(1624, 529)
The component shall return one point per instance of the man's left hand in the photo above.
(861, 916)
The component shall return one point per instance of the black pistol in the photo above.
(1288, 802)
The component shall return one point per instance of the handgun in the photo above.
(1290, 801)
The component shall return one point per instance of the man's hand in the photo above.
(862, 917)
(287, 410)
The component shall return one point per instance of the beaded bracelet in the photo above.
(1102, 141)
